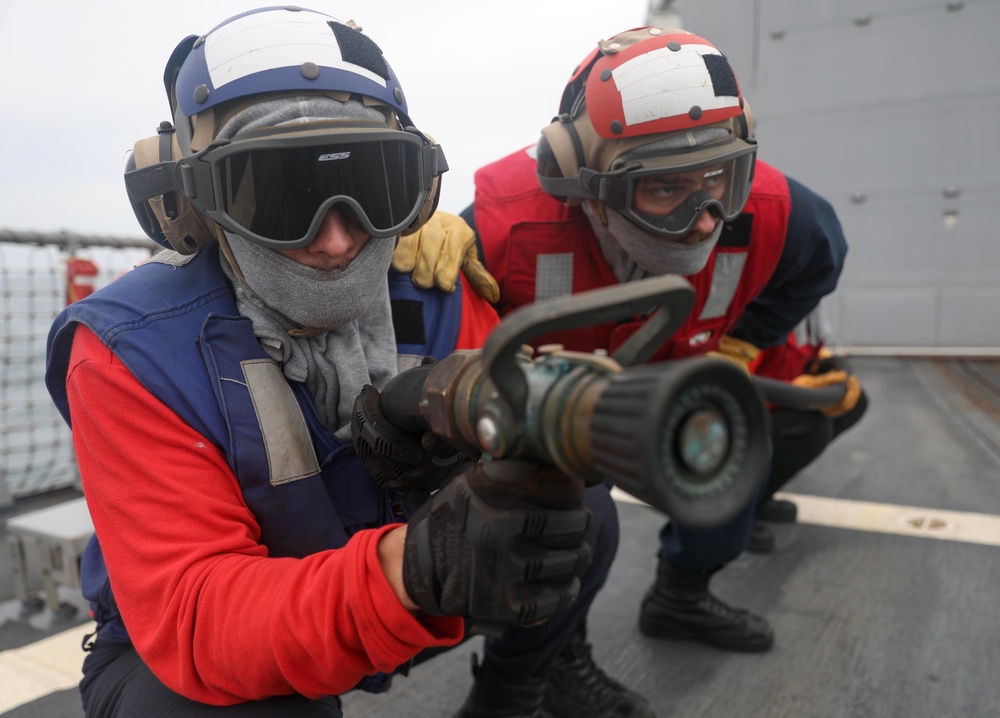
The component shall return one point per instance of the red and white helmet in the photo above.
(649, 101)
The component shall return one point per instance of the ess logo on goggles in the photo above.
(274, 187)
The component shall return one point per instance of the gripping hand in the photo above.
(396, 459)
(479, 549)
(438, 251)
(818, 381)
(739, 352)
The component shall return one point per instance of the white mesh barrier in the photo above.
(36, 452)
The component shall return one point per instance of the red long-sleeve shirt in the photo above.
(212, 615)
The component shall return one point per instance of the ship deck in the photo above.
(882, 595)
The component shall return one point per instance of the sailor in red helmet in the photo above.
(650, 168)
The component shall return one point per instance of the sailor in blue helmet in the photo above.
(245, 563)
(650, 168)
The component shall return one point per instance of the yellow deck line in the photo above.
(53, 664)
(964, 526)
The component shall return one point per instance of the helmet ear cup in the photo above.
(165, 216)
(143, 211)
(559, 157)
(562, 150)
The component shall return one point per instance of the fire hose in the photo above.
(689, 437)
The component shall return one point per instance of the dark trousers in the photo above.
(797, 439)
(707, 549)
(117, 684)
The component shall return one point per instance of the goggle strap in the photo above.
(608, 187)
(147, 182)
(563, 186)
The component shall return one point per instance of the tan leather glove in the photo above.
(819, 381)
(438, 251)
(737, 351)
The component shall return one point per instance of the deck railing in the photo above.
(39, 274)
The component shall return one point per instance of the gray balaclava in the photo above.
(330, 329)
(633, 252)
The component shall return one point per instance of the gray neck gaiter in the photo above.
(634, 253)
(357, 344)
(314, 298)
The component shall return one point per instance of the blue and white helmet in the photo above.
(284, 52)
(263, 51)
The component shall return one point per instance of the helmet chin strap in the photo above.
(596, 211)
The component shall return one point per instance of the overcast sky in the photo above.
(81, 82)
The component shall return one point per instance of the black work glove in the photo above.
(480, 549)
(399, 460)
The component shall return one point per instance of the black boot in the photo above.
(761, 538)
(577, 688)
(679, 605)
(494, 696)
(778, 511)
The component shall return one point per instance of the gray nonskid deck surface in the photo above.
(866, 624)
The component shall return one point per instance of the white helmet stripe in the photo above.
(647, 96)
(254, 43)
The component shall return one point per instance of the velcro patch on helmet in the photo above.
(360, 50)
(723, 80)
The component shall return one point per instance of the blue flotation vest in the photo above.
(173, 322)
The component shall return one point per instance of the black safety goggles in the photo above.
(274, 187)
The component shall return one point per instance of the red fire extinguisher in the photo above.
(80, 276)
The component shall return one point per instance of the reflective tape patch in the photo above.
(553, 276)
(255, 43)
(725, 280)
(290, 452)
(647, 96)
(700, 338)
